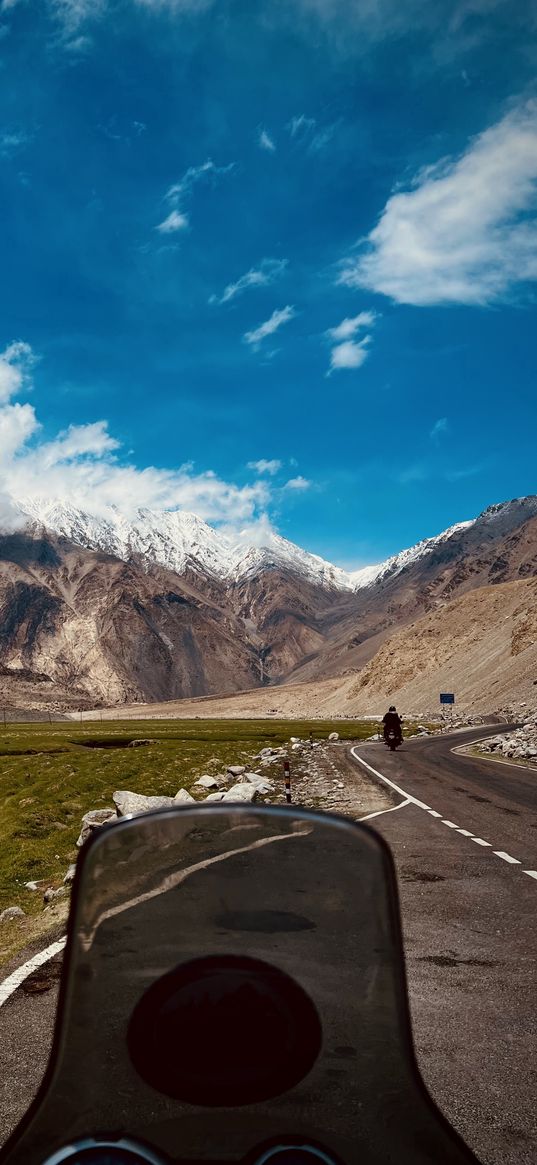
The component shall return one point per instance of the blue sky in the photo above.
(274, 263)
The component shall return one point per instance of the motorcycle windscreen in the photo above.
(234, 977)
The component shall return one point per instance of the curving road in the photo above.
(463, 835)
(466, 859)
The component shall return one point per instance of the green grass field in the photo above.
(50, 777)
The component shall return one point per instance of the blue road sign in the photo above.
(447, 698)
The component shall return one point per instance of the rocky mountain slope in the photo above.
(162, 608)
(483, 647)
(79, 627)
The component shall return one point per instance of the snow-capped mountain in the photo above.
(178, 541)
(78, 627)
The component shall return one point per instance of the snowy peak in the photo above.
(181, 541)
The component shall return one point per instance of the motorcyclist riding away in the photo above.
(392, 723)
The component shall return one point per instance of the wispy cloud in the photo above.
(265, 142)
(348, 352)
(181, 191)
(268, 271)
(301, 125)
(256, 337)
(467, 230)
(263, 466)
(439, 429)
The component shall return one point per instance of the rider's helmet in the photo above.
(392, 708)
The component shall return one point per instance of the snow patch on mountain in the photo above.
(180, 541)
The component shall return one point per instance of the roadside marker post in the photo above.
(287, 778)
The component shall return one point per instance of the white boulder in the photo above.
(128, 803)
(11, 912)
(236, 770)
(333, 736)
(243, 791)
(183, 797)
(207, 782)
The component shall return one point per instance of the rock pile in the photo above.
(519, 745)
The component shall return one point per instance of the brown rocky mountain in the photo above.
(483, 647)
(80, 627)
(500, 546)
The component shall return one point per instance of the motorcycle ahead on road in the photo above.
(234, 992)
(393, 739)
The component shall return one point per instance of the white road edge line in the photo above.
(379, 812)
(398, 789)
(410, 800)
(17, 977)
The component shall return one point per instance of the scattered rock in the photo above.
(333, 736)
(207, 782)
(260, 783)
(243, 791)
(139, 743)
(127, 802)
(183, 797)
(236, 770)
(51, 893)
(11, 912)
(215, 797)
(70, 875)
(92, 821)
(375, 736)
(31, 886)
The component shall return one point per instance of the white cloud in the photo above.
(175, 221)
(301, 125)
(467, 230)
(6, 5)
(265, 142)
(255, 337)
(263, 466)
(83, 463)
(177, 194)
(16, 362)
(267, 272)
(439, 429)
(349, 354)
(348, 327)
(297, 483)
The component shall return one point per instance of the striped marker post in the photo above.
(287, 778)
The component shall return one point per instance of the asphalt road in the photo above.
(470, 935)
(467, 917)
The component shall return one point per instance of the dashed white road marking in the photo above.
(408, 799)
(17, 977)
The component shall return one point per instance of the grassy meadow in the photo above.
(50, 775)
